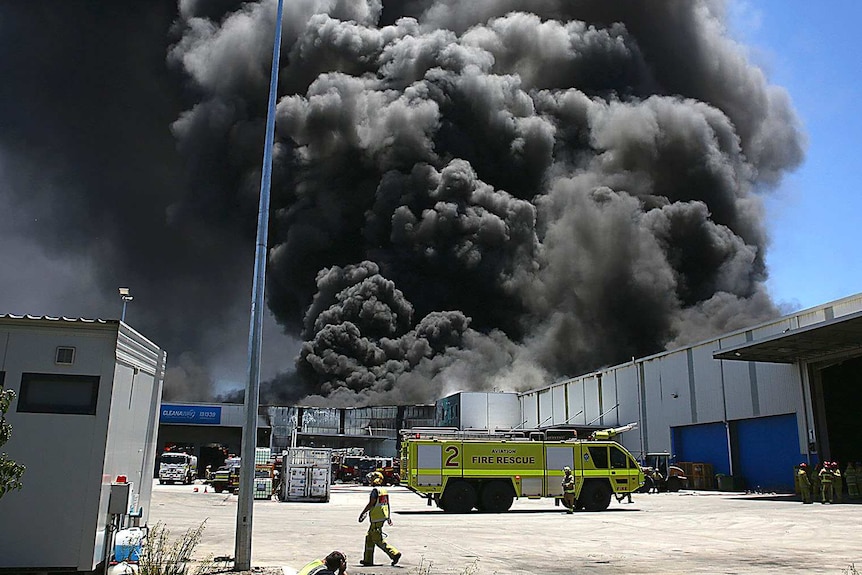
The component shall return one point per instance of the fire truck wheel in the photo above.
(497, 497)
(459, 497)
(595, 496)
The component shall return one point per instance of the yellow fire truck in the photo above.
(460, 470)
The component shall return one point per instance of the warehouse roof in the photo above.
(840, 336)
(55, 319)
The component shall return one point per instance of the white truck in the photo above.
(177, 468)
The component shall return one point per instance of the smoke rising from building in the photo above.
(470, 195)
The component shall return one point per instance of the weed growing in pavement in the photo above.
(425, 569)
(162, 556)
(851, 570)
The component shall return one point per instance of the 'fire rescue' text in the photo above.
(504, 460)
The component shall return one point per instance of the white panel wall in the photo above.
(810, 317)
(546, 407)
(707, 382)
(530, 410)
(608, 396)
(232, 415)
(675, 382)
(591, 400)
(576, 402)
(774, 328)
(504, 410)
(847, 306)
(627, 394)
(737, 389)
(558, 400)
(474, 411)
(779, 388)
(656, 424)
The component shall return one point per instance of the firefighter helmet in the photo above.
(567, 469)
(375, 478)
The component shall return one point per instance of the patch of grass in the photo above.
(162, 555)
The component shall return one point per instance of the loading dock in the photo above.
(828, 355)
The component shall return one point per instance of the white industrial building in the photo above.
(84, 419)
(751, 403)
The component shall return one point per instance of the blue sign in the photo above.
(195, 414)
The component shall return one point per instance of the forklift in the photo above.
(660, 475)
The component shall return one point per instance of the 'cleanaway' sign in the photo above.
(196, 414)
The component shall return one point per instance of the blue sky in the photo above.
(811, 49)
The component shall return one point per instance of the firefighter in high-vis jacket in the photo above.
(826, 491)
(569, 490)
(333, 564)
(804, 482)
(837, 483)
(377, 511)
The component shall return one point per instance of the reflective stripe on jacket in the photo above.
(380, 511)
(315, 568)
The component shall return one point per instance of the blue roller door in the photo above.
(703, 443)
(767, 449)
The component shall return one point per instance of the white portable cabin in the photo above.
(86, 411)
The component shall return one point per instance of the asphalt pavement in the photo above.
(686, 532)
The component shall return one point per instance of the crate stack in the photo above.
(700, 475)
(307, 474)
(263, 473)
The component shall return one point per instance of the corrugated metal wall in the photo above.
(575, 395)
(687, 387)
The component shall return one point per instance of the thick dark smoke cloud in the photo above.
(566, 184)
(466, 195)
(92, 187)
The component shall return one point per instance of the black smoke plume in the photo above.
(466, 195)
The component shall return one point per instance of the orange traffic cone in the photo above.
(205, 489)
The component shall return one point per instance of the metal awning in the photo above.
(838, 336)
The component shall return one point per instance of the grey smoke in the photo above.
(469, 195)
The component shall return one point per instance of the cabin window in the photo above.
(58, 393)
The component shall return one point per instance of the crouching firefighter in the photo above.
(333, 564)
(378, 513)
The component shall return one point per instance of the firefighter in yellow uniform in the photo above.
(826, 483)
(804, 482)
(333, 564)
(377, 511)
(569, 490)
(837, 483)
(851, 477)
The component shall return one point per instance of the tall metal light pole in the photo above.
(242, 551)
(126, 297)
